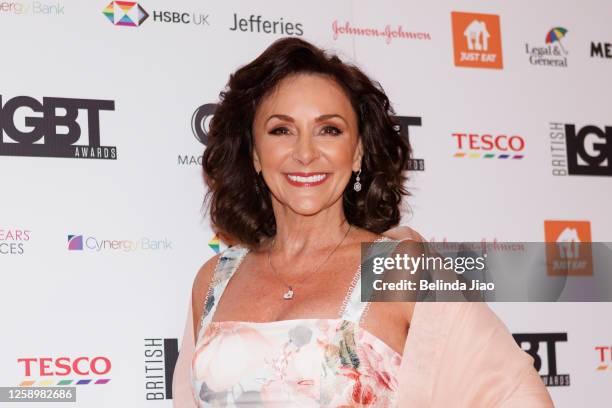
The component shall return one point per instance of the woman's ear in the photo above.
(256, 162)
(357, 158)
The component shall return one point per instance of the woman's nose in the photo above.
(305, 149)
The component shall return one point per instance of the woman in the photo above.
(303, 164)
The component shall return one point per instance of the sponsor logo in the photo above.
(89, 243)
(133, 14)
(403, 124)
(75, 242)
(217, 244)
(547, 355)
(580, 151)
(53, 371)
(552, 53)
(200, 121)
(14, 241)
(125, 13)
(53, 134)
(604, 358)
(477, 40)
(33, 8)
(601, 50)
(386, 32)
(572, 254)
(488, 146)
(257, 24)
(160, 360)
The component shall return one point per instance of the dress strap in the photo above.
(353, 309)
(227, 264)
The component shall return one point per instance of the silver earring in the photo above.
(357, 185)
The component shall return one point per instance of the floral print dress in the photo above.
(291, 363)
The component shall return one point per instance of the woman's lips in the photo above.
(306, 179)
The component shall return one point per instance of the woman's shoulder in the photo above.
(205, 274)
(404, 233)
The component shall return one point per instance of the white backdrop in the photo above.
(60, 303)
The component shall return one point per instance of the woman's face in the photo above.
(306, 142)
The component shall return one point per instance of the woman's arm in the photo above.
(461, 354)
(182, 393)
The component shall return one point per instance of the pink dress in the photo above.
(291, 363)
(457, 354)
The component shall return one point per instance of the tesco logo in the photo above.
(489, 142)
(48, 366)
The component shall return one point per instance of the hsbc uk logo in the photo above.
(580, 150)
(132, 14)
(125, 13)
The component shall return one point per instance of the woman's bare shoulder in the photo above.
(404, 232)
(201, 283)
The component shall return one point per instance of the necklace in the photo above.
(289, 294)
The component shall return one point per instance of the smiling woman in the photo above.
(303, 164)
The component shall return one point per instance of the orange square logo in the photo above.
(477, 40)
(568, 249)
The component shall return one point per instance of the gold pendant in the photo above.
(289, 294)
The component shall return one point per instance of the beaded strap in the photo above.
(353, 309)
(227, 264)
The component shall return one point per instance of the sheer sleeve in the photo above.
(461, 354)
(182, 393)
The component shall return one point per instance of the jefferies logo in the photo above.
(580, 150)
(547, 355)
(52, 127)
(200, 121)
(488, 145)
(160, 359)
(51, 371)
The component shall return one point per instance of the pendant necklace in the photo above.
(289, 294)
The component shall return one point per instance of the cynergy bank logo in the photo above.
(477, 40)
(34, 8)
(90, 243)
(59, 131)
(580, 151)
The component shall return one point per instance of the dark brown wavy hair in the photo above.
(240, 202)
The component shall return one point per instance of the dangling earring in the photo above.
(357, 185)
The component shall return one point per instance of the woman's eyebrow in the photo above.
(318, 119)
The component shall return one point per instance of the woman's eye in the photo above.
(332, 130)
(279, 131)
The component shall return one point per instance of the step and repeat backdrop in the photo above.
(103, 121)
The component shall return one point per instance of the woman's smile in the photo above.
(300, 179)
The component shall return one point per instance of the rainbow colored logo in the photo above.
(125, 13)
(75, 242)
(214, 244)
(48, 383)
